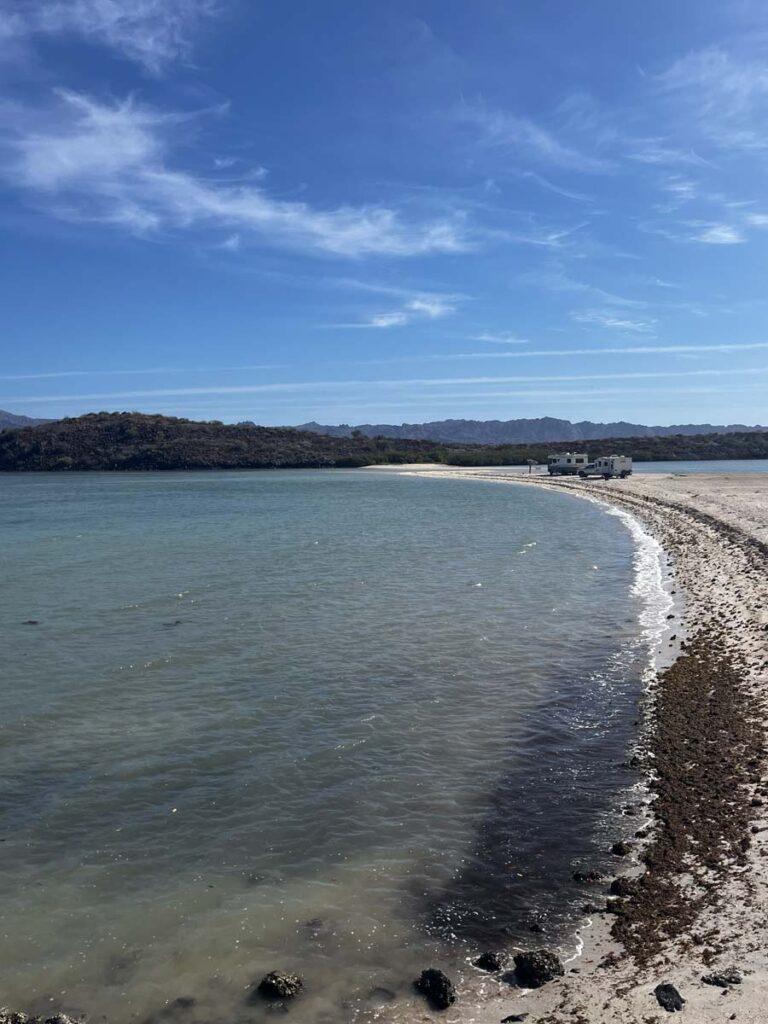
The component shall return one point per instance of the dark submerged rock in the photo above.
(514, 1018)
(537, 967)
(587, 876)
(621, 848)
(277, 985)
(492, 962)
(380, 995)
(724, 978)
(668, 997)
(436, 987)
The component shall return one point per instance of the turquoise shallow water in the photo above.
(352, 723)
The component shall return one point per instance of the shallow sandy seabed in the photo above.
(715, 529)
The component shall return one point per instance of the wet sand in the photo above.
(698, 902)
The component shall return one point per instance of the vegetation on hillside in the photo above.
(124, 441)
(134, 441)
(678, 448)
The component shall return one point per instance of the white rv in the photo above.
(608, 466)
(566, 463)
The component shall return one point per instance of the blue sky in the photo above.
(409, 210)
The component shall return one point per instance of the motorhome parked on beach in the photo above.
(567, 463)
(608, 466)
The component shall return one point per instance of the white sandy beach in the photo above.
(715, 530)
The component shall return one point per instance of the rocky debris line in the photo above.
(437, 988)
(17, 1017)
(668, 997)
(625, 886)
(537, 967)
(707, 749)
(723, 979)
(277, 985)
(492, 962)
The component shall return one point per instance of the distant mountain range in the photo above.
(521, 431)
(10, 419)
(133, 441)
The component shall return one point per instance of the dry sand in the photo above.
(704, 901)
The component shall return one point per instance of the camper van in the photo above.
(608, 466)
(567, 463)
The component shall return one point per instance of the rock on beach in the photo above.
(668, 997)
(537, 967)
(492, 962)
(436, 987)
(277, 985)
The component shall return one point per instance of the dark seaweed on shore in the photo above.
(706, 754)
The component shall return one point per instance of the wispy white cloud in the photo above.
(422, 307)
(531, 140)
(150, 371)
(499, 338)
(550, 186)
(431, 307)
(717, 80)
(658, 151)
(659, 282)
(556, 280)
(151, 32)
(394, 319)
(719, 234)
(322, 386)
(706, 232)
(545, 238)
(109, 163)
(682, 189)
(613, 321)
(723, 95)
(614, 350)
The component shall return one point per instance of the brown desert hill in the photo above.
(136, 441)
(12, 419)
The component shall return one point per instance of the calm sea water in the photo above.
(353, 724)
(705, 466)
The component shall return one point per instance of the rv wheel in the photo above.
(606, 476)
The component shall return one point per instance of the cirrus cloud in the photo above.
(109, 163)
(150, 32)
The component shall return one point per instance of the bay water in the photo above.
(351, 724)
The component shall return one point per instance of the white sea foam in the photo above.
(651, 578)
(651, 583)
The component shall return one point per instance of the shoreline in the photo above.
(700, 749)
(701, 871)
